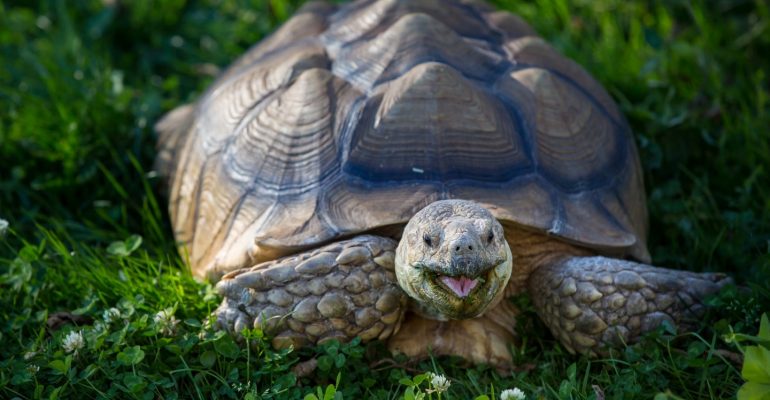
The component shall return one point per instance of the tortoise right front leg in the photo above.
(340, 291)
(591, 303)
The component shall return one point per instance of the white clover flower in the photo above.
(33, 368)
(3, 227)
(29, 355)
(166, 321)
(122, 276)
(512, 394)
(111, 315)
(100, 326)
(240, 387)
(439, 382)
(208, 323)
(206, 327)
(73, 342)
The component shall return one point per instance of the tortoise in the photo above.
(399, 170)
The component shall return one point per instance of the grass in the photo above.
(82, 83)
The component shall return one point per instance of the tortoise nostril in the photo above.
(461, 248)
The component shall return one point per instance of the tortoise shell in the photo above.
(353, 118)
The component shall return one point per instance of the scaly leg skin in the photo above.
(339, 291)
(592, 303)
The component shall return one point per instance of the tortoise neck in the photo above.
(531, 250)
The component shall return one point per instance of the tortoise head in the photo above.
(453, 259)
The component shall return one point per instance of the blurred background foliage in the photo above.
(83, 82)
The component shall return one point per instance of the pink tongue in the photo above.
(460, 285)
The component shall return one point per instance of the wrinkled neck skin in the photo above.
(453, 260)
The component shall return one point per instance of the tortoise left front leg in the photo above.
(339, 291)
(591, 303)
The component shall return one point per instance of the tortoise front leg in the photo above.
(339, 291)
(590, 303)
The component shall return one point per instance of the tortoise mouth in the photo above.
(445, 296)
(460, 296)
(461, 288)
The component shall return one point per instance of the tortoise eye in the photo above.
(427, 240)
